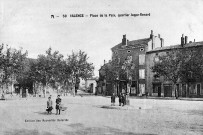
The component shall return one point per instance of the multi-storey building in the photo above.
(141, 55)
(160, 86)
(134, 53)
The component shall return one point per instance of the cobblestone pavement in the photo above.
(95, 116)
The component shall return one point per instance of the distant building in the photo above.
(90, 85)
(134, 53)
(158, 86)
(140, 55)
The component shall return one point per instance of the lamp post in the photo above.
(127, 65)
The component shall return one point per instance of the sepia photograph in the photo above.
(101, 67)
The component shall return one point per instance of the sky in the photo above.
(28, 24)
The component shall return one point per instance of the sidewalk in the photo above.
(167, 98)
(164, 98)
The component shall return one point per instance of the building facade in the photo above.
(141, 55)
(90, 85)
(131, 57)
(159, 86)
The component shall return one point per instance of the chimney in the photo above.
(182, 40)
(124, 42)
(186, 39)
(104, 62)
(151, 35)
(162, 42)
(159, 36)
(194, 40)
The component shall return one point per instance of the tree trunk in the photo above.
(44, 90)
(187, 89)
(176, 91)
(12, 85)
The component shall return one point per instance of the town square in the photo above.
(94, 115)
(125, 67)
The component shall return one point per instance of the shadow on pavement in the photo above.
(26, 132)
(81, 130)
(126, 107)
(109, 107)
(44, 113)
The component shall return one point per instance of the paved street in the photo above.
(93, 115)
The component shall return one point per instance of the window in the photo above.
(155, 90)
(142, 74)
(156, 58)
(142, 88)
(141, 49)
(192, 89)
(142, 59)
(129, 59)
(199, 89)
(129, 51)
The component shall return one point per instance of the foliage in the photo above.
(49, 69)
(115, 70)
(53, 70)
(79, 65)
(184, 64)
(11, 64)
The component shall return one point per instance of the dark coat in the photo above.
(58, 103)
(113, 98)
(123, 99)
(120, 98)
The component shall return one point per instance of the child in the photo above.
(58, 105)
(49, 105)
(113, 97)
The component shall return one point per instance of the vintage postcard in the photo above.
(101, 67)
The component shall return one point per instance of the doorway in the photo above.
(157, 89)
(183, 90)
(198, 89)
(168, 90)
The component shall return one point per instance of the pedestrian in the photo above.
(49, 105)
(26, 90)
(124, 99)
(113, 97)
(120, 99)
(58, 105)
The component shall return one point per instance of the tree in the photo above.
(11, 64)
(179, 65)
(80, 67)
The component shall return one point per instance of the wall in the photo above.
(134, 52)
(150, 60)
(89, 81)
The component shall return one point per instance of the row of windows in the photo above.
(129, 51)
(141, 59)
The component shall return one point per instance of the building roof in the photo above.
(132, 44)
(193, 44)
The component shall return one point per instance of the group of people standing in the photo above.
(121, 99)
(50, 105)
